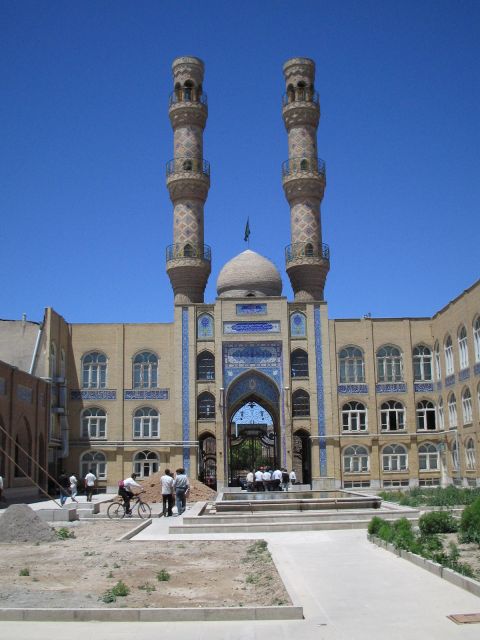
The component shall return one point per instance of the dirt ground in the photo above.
(78, 572)
(469, 553)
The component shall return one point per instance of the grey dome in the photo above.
(249, 275)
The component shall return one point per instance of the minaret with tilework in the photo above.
(188, 181)
(307, 259)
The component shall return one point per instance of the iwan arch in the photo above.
(252, 377)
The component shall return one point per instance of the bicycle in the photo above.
(117, 511)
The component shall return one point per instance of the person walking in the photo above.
(285, 480)
(259, 480)
(277, 479)
(166, 482)
(181, 486)
(64, 483)
(250, 480)
(90, 482)
(267, 477)
(293, 477)
(73, 487)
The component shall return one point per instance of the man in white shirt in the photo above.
(125, 491)
(182, 487)
(259, 480)
(293, 477)
(90, 480)
(73, 487)
(249, 481)
(267, 476)
(277, 479)
(166, 483)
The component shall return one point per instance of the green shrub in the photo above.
(163, 575)
(374, 525)
(429, 546)
(118, 590)
(63, 533)
(385, 531)
(437, 522)
(403, 536)
(24, 572)
(470, 523)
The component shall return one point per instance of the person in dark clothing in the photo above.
(64, 482)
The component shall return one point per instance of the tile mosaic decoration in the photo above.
(251, 327)
(464, 374)
(298, 325)
(391, 387)
(93, 394)
(24, 393)
(251, 309)
(146, 394)
(320, 390)
(423, 387)
(185, 390)
(204, 326)
(254, 383)
(240, 357)
(352, 388)
(450, 380)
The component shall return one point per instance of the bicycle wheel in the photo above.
(144, 510)
(116, 511)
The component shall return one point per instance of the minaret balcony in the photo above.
(187, 96)
(187, 252)
(300, 96)
(303, 177)
(309, 252)
(303, 167)
(301, 109)
(185, 107)
(188, 177)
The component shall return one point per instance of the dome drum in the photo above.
(249, 275)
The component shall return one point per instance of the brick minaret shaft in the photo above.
(188, 182)
(307, 259)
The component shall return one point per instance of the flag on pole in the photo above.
(247, 230)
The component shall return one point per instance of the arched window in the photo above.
(392, 416)
(145, 370)
(301, 90)
(146, 423)
(145, 463)
(188, 91)
(448, 348)
(394, 458)
(206, 406)
(290, 93)
(463, 347)
(300, 404)
(422, 364)
(299, 364)
(426, 416)
(351, 365)
(94, 461)
(354, 416)
(467, 406)
(188, 250)
(476, 338)
(452, 411)
(205, 366)
(428, 457)
(303, 164)
(455, 455)
(441, 414)
(438, 364)
(94, 366)
(204, 326)
(309, 250)
(389, 364)
(53, 361)
(298, 325)
(187, 165)
(355, 459)
(94, 423)
(470, 456)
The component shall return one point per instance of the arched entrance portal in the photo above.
(253, 429)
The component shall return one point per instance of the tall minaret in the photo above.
(307, 259)
(188, 181)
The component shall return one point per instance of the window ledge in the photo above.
(212, 419)
(400, 471)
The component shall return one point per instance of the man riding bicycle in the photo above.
(125, 492)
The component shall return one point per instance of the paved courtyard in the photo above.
(348, 587)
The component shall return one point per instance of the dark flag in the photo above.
(247, 230)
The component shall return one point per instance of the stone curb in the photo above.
(469, 584)
(153, 615)
(133, 532)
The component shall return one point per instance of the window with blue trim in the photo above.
(204, 326)
(298, 325)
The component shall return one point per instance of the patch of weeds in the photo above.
(116, 565)
(63, 533)
(119, 590)
(89, 553)
(148, 587)
(163, 575)
(278, 602)
(110, 575)
(252, 578)
(24, 572)
(258, 552)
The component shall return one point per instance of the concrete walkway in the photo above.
(349, 588)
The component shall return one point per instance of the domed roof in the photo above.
(249, 275)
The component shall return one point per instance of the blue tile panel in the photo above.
(476, 369)
(239, 357)
(352, 388)
(251, 309)
(449, 380)
(464, 374)
(185, 390)
(93, 394)
(251, 327)
(391, 387)
(146, 394)
(423, 387)
(320, 398)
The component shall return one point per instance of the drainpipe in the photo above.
(64, 436)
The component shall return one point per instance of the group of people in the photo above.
(69, 486)
(270, 480)
(174, 487)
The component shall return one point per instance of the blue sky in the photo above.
(85, 135)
